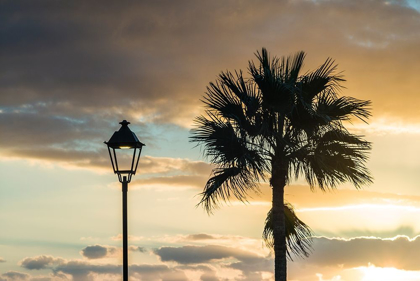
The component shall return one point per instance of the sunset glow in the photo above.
(72, 70)
(372, 273)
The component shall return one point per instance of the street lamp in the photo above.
(124, 165)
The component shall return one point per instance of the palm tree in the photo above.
(278, 125)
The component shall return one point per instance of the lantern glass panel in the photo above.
(125, 156)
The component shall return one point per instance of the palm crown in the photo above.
(278, 124)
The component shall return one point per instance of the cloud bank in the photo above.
(65, 81)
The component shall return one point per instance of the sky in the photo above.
(71, 70)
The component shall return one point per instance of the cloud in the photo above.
(247, 244)
(330, 257)
(166, 165)
(40, 262)
(211, 262)
(2, 259)
(97, 251)
(389, 213)
(68, 80)
(154, 272)
(86, 271)
(130, 238)
(104, 251)
(137, 249)
(200, 254)
(80, 270)
(158, 272)
(250, 264)
(399, 252)
(200, 236)
(207, 273)
(21, 276)
(15, 275)
(234, 241)
(172, 172)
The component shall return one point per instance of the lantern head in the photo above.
(124, 162)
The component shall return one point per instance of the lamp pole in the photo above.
(125, 228)
(124, 139)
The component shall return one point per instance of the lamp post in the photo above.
(121, 142)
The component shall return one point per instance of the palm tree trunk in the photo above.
(278, 182)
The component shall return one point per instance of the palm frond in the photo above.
(221, 101)
(292, 67)
(225, 146)
(334, 157)
(271, 77)
(323, 78)
(221, 142)
(298, 234)
(342, 108)
(225, 183)
(236, 101)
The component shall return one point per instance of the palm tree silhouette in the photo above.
(279, 125)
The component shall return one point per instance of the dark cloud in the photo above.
(70, 69)
(88, 58)
(200, 236)
(400, 252)
(39, 262)
(211, 276)
(117, 56)
(85, 270)
(81, 271)
(15, 275)
(41, 130)
(104, 251)
(201, 254)
(251, 265)
(76, 142)
(94, 252)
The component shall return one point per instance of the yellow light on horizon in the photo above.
(373, 273)
(125, 147)
(353, 218)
